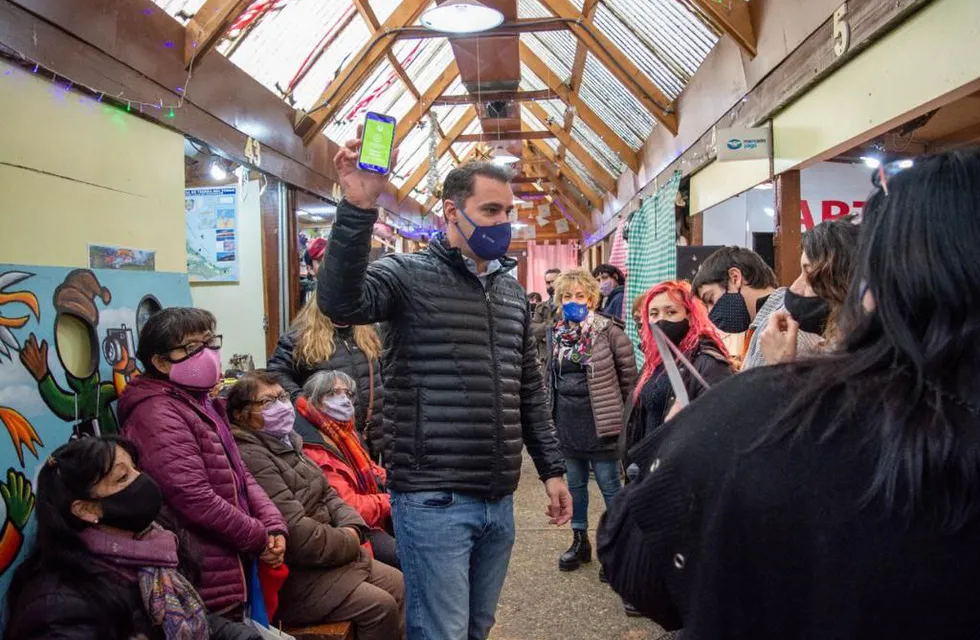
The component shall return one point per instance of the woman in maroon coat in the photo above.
(186, 445)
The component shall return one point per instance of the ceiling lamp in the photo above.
(217, 172)
(462, 16)
(502, 156)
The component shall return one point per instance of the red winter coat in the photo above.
(375, 508)
(180, 448)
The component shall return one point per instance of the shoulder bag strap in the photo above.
(666, 347)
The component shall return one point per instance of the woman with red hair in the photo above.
(682, 317)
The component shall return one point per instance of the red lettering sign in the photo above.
(829, 210)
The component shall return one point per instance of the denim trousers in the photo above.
(454, 551)
(606, 476)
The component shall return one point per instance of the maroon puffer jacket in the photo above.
(180, 448)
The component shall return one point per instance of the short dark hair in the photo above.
(241, 394)
(755, 271)
(458, 186)
(609, 270)
(165, 329)
(554, 270)
(534, 296)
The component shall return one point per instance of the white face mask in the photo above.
(339, 407)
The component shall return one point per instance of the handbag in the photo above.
(256, 615)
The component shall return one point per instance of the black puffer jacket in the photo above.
(347, 358)
(463, 387)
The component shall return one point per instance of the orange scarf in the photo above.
(342, 435)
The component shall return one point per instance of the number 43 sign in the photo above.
(253, 152)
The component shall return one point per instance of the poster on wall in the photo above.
(110, 257)
(68, 340)
(212, 234)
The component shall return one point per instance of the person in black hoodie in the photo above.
(315, 343)
(101, 567)
(612, 286)
(835, 497)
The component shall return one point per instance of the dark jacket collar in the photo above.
(439, 247)
(273, 444)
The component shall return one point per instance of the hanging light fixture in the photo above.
(502, 156)
(462, 16)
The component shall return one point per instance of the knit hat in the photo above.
(316, 249)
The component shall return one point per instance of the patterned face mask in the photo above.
(730, 314)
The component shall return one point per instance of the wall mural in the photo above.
(67, 351)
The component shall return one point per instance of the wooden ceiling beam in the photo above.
(598, 172)
(444, 145)
(357, 70)
(588, 116)
(593, 198)
(367, 14)
(732, 19)
(578, 67)
(618, 63)
(208, 25)
(506, 96)
(547, 170)
(506, 136)
(424, 104)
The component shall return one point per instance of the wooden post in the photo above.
(697, 230)
(787, 240)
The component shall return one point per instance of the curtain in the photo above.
(541, 257)
(617, 258)
(652, 255)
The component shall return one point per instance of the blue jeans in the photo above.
(454, 550)
(606, 476)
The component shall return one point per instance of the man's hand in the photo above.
(560, 507)
(361, 188)
(778, 340)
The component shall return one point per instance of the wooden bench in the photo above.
(330, 631)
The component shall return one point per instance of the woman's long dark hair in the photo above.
(70, 474)
(910, 355)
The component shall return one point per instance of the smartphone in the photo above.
(377, 143)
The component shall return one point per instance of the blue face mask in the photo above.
(488, 242)
(574, 311)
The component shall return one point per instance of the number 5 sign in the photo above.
(842, 31)
(253, 152)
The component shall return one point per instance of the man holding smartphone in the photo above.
(463, 390)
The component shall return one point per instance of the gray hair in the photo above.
(458, 186)
(321, 385)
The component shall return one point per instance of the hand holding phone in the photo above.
(361, 188)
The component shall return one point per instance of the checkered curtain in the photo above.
(652, 255)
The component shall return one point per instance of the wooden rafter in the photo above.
(358, 69)
(599, 173)
(618, 63)
(507, 135)
(424, 103)
(733, 19)
(367, 14)
(208, 25)
(582, 110)
(506, 96)
(444, 145)
(547, 170)
(594, 199)
(578, 67)
(579, 215)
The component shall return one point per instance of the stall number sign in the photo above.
(743, 143)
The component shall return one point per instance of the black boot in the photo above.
(602, 576)
(631, 611)
(579, 552)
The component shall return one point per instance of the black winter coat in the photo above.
(49, 609)
(463, 389)
(741, 542)
(347, 357)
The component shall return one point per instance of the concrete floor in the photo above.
(541, 603)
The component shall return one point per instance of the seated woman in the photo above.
(325, 421)
(185, 442)
(314, 343)
(100, 567)
(331, 577)
(684, 321)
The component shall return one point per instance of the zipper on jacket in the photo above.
(498, 427)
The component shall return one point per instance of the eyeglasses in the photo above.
(194, 346)
(268, 402)
(346, 392)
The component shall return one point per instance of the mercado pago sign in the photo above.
(743, 143)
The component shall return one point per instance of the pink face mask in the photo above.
(278, 419)
(201, 371)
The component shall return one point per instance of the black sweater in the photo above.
(731, 542)
(463, 389)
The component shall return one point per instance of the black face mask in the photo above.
(135, 507)
(675, 331)
(730, 314)
(551, 292)
(811, 313)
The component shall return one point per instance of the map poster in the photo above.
(212, 234)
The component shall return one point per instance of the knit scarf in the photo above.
(343, 436)
(574, 342)
(150, 560)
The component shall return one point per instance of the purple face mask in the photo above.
(278, 419)
(202, 371)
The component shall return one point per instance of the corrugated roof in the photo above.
(611, 101)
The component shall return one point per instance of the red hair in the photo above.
(697, 315)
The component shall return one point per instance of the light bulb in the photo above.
(871, 161)
(218, 172)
